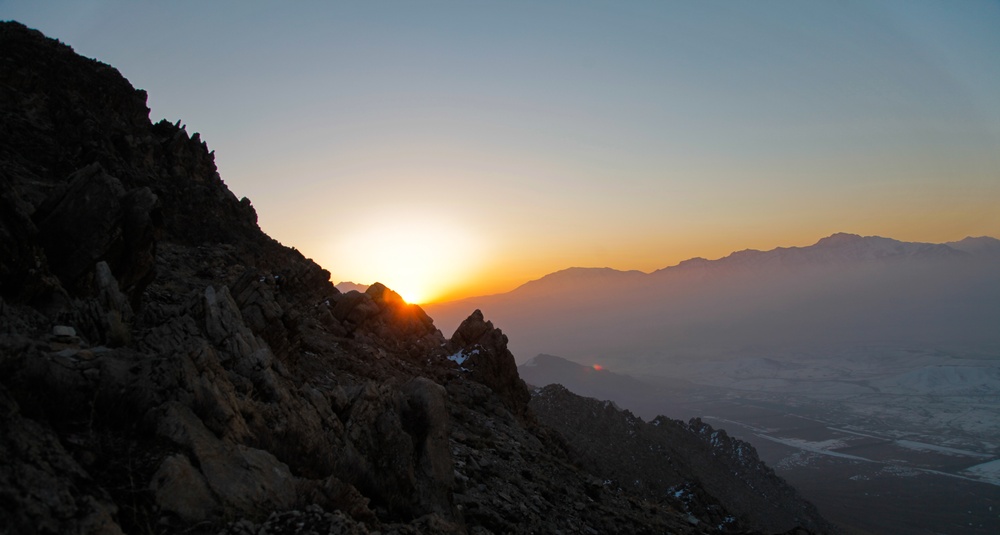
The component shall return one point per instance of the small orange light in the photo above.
(598, 367)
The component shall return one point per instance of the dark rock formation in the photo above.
(167, 367)
(481, 349)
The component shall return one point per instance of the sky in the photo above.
(450, 149)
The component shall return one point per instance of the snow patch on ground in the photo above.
(909, 444)
(460, 357)
(823, 448)
(988, 471)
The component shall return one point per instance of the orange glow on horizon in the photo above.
(456, 264)
(598, 367)
(424, 256)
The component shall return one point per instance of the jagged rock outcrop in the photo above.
(92, 218)
(166, 367)
(481, 349)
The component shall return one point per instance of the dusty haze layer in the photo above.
(844, 291)
(864, 369)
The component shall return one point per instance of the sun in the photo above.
(414, 297)
(419, 256)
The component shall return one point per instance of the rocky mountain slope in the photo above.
(696, 464)
(166, 367)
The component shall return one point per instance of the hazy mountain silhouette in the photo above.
(846, 364)
(348, 286)
(843, 290)
(646, 399)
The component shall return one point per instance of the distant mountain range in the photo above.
(348, 286)
(844, 289)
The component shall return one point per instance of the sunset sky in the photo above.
(450, 149)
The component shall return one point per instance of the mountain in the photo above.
(348, 286)
(981, 246)
(572, 280)
(859, 368)
(845, 290)
(167, 367)
(838, 251)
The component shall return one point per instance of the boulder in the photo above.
(180, 489)
(117, 312)
(245, 480)
(80, 223)
(380, 315)
(401, 319)
(255, 295)
(426, 418)
(91, 218)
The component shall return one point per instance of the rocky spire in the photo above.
(483, 350)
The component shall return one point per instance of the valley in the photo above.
(882, 439)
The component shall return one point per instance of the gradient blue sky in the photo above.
(456, 148)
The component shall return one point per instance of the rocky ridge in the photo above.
(690, 466)
(165, 366)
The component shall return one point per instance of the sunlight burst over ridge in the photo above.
(419, 256)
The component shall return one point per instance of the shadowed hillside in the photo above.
(673, 461)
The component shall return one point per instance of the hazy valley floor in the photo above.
(881, 439)
(866, 482)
